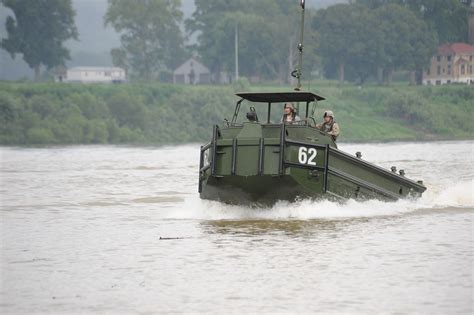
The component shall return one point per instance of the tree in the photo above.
(449, 18)
(214, 41)
(337, 35)
(38, 30)
(150, 35)
(406, 41)
(267, 33)
(362, 40)
(365, 47)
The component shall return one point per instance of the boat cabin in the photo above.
(273, 99)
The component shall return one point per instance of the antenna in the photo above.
(236, 50)
(297, 72)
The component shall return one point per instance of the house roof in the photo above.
(95, 69)
(455, 48)
(189, 64)
(279, 97)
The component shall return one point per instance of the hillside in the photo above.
(32, 114)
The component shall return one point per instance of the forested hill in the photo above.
(37, 114)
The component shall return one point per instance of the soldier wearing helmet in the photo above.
(329, 125)
(290, 117)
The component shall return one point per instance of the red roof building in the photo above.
(453, 63)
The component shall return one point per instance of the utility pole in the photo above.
(236, 52)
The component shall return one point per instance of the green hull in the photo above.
(260, 164)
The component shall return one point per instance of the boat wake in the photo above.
(460, 197)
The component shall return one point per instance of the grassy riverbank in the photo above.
(402, 112)
(157, 113)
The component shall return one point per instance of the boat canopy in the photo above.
(280, 97)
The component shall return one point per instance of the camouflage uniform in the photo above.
(292, 118)
(331, 128)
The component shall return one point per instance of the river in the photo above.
(115, 229)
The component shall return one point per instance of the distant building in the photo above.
(453, 64)
(192, 72)
(95, 75)
(59, 73)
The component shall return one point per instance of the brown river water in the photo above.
(121, 230)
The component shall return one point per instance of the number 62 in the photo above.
(307, 155)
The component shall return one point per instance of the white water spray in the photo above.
(458, 196)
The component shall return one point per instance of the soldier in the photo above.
(329, 125)
(290, 117)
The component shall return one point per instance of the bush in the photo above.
(241, 85)
(39, 136)
(163, 113)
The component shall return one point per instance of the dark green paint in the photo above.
(261, 163)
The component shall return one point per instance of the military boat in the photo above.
(260, 162)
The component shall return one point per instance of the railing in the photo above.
(203, 164)
(210, 162)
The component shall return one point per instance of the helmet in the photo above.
(329, 113)
(289, 105)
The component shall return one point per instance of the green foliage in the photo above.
(338, 39)
(406, 42)
(359, 40)
(410, 112)
(38, 31)
(161, 114)
(39, 135)
(268, 34)
(447, 17)
(241, 85)
(364, 40)
(127, 111)
(151, 38)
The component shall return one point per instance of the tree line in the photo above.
(352, 41)
(377, 37)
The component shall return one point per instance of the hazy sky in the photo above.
(93, 35)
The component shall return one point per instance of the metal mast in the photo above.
(236, 48)
(297, 73)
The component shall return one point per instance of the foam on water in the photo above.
(458, 196)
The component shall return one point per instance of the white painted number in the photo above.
(303, 154)
(312, 152)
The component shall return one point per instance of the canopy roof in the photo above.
(280, 97)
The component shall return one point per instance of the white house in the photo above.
(95, 75)
(192, 72)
